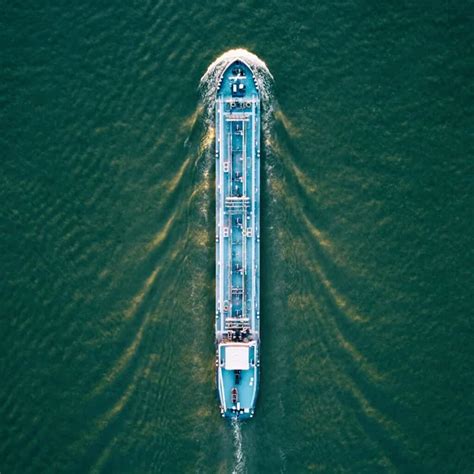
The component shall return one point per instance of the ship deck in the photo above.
(237, 216)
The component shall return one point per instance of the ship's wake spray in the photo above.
(239, 458)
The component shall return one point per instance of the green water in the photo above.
(107, 239)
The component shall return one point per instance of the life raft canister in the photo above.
(235, 395)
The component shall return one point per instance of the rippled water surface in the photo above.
(107, 238)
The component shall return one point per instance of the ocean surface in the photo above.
(107, 238)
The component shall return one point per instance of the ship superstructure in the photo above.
(237, 240)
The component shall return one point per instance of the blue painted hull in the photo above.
(237, 240)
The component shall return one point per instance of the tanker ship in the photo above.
(237, 318)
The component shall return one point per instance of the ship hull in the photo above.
(237, 323)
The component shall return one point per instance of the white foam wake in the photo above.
(239, 458)
(263, 77)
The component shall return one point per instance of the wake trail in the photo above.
(239, 458)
